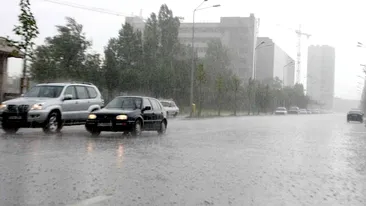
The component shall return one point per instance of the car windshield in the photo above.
(165, 104)
(281, 108)
(45, 91)
(127, 103)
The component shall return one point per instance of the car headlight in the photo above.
(37, 106)
(2, 106)
(92, 116)
(121, 117)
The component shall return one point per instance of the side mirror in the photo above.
(68, 97)
(146, 108)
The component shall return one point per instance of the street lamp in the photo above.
(193, 56)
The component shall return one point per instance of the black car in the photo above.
(128, 114)
(355, 115)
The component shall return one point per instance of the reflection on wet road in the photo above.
(269, 160)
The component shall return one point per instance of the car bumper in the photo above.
(354, 118)
(24, 119)
(113, 126)
(280, 113)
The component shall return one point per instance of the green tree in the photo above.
(151, 41)
(110, 68)
(219, 92)
(64, 56)
(27, 31)
(201, 79)
(236, 83)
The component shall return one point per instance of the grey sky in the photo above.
(333, 22)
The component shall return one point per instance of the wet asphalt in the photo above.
(265, 160)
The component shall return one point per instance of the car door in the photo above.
(93, 100)
(83, 105)
(147, 114)
(70, 107)
(157, 116)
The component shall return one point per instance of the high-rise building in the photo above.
(272, 62)
(321, 73)
(238, 34)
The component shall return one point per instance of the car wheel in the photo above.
(175, 114)
(53, 124)
(9, 129)
(162, 129)
(136, 131)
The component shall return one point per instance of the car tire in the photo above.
(136, 131)
(53, 123)
(9, 129)
(162, 128)
(175, 114)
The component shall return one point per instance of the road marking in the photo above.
(92, 200)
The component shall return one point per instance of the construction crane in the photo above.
(299, 34)
(298, 61)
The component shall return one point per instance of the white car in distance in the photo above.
(170, 107)
(281, 110)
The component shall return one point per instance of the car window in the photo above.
(70, 90)
(45, 91)
(165, 104)
(92, 92)
(155, 104)
(82, 92)
(128, 103)
(147, 103)
(173, 104)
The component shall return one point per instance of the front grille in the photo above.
(18, 108)
(106, 116)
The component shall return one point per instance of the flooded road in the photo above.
(267, 160)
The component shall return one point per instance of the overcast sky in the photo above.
(336, 23)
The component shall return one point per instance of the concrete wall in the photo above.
(264, 58)
(321, 73)
(273, 62)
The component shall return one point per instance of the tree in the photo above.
(236, 83)
(250, 94)
(201, 81)
(110, 67)
(27, 30)
(64, 56)
(220, 90)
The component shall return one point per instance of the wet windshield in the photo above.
(125, 103)
(44, 91)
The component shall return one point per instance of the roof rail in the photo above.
(88, 83)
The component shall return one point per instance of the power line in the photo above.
(83, 7)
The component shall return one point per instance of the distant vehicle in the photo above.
(309, 111)
(128, 114)
(50, 107)
(170, 107)
(294, 110)
(303, 111)
(315, 111)
(355, 115)
(281, 110)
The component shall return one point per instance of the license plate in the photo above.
(15, 117)
(105, 124)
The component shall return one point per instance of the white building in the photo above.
(321, 73)
(238, 34)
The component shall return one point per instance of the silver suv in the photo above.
(50, 107)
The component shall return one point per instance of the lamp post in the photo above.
(193, 55)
